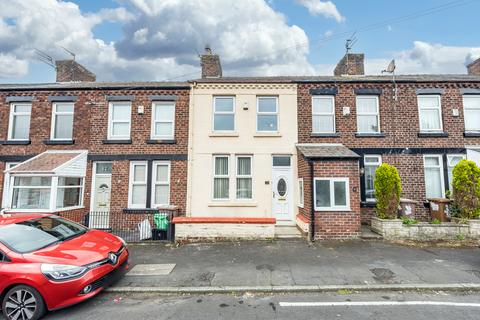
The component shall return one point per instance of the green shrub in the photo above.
(466, 189)
(435, 221)
(409, 221)
(388, 189)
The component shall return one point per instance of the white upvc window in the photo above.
(267, 114)
(62, 121)
(430, 113)
(46, 193)
(19, 124)
(223, 114)
(323, 114)
(434, 180)
(221, 177)
(161, 183)
(301, 193)
(332, 194)
(244, 177)
(6, 183)
(368, 116)
(163, 120)
(137, 188)
(119, 120)
(452, 161)
(471, 112)
(371, 163)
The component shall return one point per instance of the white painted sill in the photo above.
(223, 134)
(267, 135)
(233, 204)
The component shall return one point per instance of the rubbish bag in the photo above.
(161, 221)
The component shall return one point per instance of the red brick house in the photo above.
(349, 124)
(73, 147)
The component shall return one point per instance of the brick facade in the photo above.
(90, 132)
(399, 142)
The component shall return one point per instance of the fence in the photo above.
(134, 226)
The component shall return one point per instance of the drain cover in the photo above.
(151, 270)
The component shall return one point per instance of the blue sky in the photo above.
(158, 40)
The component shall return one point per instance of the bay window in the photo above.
(244, 177)
(430, 112)
(69, 192)
(434, 180)
(331, 194)
(368, 119)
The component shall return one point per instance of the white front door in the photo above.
(100, 214)
(282, 189)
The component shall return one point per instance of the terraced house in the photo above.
(78, 147)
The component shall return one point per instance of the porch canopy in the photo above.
(326, 151)
(51, 181)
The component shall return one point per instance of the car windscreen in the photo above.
(35, 234)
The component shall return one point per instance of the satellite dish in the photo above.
(391, 67)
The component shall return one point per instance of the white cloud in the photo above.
(324, 8)
(10, 66)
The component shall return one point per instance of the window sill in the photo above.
(368, 204)
(433, 135)
(233, 204)
(333, 210)
(471, 134)
(16, 142)
(111, 141)
(223, 134)
(54, 142)
(160, 141)
(370, 135)
(267, 135)
(325, 135)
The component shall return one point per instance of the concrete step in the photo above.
(368, 234)
(287, 232)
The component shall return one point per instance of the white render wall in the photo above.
(213, 231)
(204, 144)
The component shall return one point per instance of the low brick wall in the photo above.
(396, 230)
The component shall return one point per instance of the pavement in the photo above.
(354, 306)
(296, 266)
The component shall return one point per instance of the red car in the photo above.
(48, 263)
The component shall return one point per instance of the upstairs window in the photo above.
(323, 114)
(471, 111)
(368, 119)
(19, 126)
(223, 114)
(119, 120)
(62, 121)
(163, 120)
(434, 180)
(267, 114)
(430, 113)
(371, 163)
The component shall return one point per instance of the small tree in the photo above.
(388, 188)
(466, 189)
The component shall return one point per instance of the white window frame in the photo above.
(377, 113)
(82, 190)
(54, 119)
(466, 97)
(237, 175)
(442, 175)
(439, 108)
(450, 167)
(332, 114)
(215, 112)
(111, 105)
(267, 114)
(154, 121)
(301, 193)
(228, 175)
(332, 207)
(12, 115)
(377, 163)
(6, 183)
(131, 183)
(156, 183)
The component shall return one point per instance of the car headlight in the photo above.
(60, 272)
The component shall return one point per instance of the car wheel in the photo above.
(23, 303)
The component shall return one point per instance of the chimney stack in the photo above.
(211, 67)
(70, 71)
(474, 68)
(351, 64)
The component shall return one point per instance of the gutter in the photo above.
(312, 213)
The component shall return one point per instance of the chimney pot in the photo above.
(211, 67)
(474, 68)
(351, 64)
(70, 70)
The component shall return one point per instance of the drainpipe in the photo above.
(312, 199)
